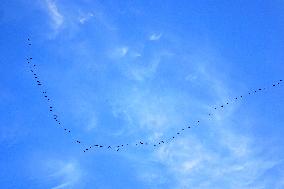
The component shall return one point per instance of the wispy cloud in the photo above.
(219, 154)
(155, 36)
(119, 52)
(85, 18)
(54, 13)
(63, 185)
(67, 173)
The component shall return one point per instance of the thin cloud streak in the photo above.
(54, 13)
(155, 37)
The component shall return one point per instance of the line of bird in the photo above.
(32, 69)
(139, 142)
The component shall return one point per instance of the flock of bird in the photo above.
(32, 67)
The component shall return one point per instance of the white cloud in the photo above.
(140, 73)
(63, 185)
(155, 37)
(54, 13)
(221, 154)
(144, 68)
(67, 174)
(119, 52)
(85, 18)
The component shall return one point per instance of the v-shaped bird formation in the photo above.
(86, 148)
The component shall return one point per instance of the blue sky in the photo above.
(123, 71)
